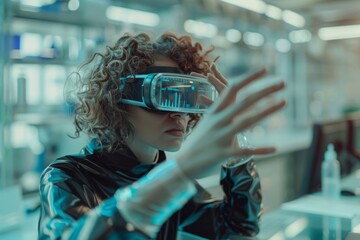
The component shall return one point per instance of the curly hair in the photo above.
(98, 111)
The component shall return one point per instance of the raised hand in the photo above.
(212, 141)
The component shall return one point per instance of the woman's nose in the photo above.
(177, 115)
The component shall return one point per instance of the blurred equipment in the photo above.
(31, 146)
(354, 134)
(340, 133)
(21, 90)
(11, 208)
(324, 133)
(330, 174)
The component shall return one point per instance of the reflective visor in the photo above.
(181, 93)
(171, 92)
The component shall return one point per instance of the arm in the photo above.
(69, 209)
(211, 143)
(66, 215)
(219, 127)
(239, 212)
(243, 198)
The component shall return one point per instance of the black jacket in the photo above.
(77, 200)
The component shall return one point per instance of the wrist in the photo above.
(150, 201)
(234, 162)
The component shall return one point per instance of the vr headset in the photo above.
(167, 89)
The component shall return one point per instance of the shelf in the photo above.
(42, 119)
(83, 18)
(45, 61)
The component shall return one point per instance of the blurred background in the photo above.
(313, 45)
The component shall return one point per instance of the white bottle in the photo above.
(330, 174)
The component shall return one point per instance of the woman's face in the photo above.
(165, 130)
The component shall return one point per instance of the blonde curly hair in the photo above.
(98, 111)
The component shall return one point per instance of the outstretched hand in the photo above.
(212, 141)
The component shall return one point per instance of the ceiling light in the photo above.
(339, 32)
(221, 42)
(300, 36)
(253, 5)
(293, 18)
(282, 45)
(37, 3)
(233, 35)
(254, 39)
(132, 16)
(273, 12)
(73, 5)
(201, 29)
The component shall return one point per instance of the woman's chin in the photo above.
(171, 148)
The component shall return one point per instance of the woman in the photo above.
(121, 185)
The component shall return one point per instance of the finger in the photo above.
(205, 100)
(217, 74)
(229, 130)
(257, 151)
(219, 85)
(242, 124)
(240, 107)
(241, 152)
(197, 74)
(227, 96)
(254, 98)
(249, 78)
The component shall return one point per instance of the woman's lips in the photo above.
(176, 132)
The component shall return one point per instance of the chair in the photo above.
(324, 133)
(353, 146)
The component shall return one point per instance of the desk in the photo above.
(284, 224)
(27, 230)
(315, 218)
(17, 223)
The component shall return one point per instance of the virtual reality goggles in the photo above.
(168, 91)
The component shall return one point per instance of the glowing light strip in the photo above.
(339, 32)
(132, 16)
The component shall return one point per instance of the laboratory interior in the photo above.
(311, 45)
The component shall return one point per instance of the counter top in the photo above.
(26, 227)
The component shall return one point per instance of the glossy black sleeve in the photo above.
(237, 214)
(67, 213)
